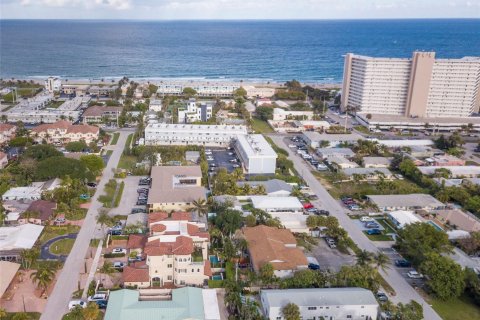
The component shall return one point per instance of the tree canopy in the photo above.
(41, 152)
(59, 167)
(76, 146)
(264, 112)
(93, 162)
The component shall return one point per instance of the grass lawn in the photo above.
(51, 232)
(55, 104)
(386, 225)
(129, 141)
(471, 163)
(31, 315)
(114, 138)
(378, 237)
(68, 316)
(462, 308)
(76, 214)
(127, 162)
(109, 152)
(63, 246)
(260, 126)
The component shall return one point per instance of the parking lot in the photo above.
(330, 259)
(222, 159)
(362, 225)
(394, 255)
(129, 196)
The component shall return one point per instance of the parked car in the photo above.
(307, 205)
(138, 210)
(60, 220)
(210, 159)
(98, 296)
(102, 304)
(367, 219)
(208, 152)
(354, 207)
(134, 259)
(141, 202)
(73, 303)
(322, 167)
(313, 266)
(115, 232)
(292, 145)
(382, 297)
(403, 263)
(236, 165)
(414, 275)
(324, 212)
(118, 265)
(92, 184)
(119, 250)
(233, 160)
(313, 197)
(374, 232)
(372, 225)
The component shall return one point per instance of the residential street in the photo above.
(67, 282)
(404, 292)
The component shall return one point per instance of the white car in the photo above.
(321, 167)
(208, 152)
(119, 250)
(73, 303)
(98, 296)
(210, 159)
(414, 275)
(292, 145)
(118, 265)
(367, 219)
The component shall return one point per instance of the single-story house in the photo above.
(273, 187)
(368, 174)
(340, 163)
(414, 201)
(376, 162)
(326, 153)
(456, 171)
(401, 218)
(39, 212)
(276, 204)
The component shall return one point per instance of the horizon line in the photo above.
(235, 19)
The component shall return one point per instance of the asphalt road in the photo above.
(45, 253)
(404, 292)
(67, 283)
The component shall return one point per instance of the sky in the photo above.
(237, 9)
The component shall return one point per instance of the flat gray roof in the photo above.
(352, 171)
(255, 145)
(315, 136)
(319, 297)
(270, 185)
(419, 200)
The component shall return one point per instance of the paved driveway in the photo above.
(45, 253)
(129, 196)
(330, 259)
(67, 283)
(404, 292)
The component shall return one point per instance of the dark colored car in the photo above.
(115, 232)
(382, 297)
(324, 212)
(402, 263)
(313, 266)
(102, 304)
(92, 184)
(374, 231)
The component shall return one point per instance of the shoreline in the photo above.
(193, 80)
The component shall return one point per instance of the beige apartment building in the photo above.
(175, 253)
(417, 87)
(63, 132)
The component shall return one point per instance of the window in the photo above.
(312, 308)
(349, 316)
(169, 277)
(169, 265)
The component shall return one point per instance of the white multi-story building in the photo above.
(256, 154)
(322, 303)
(203, 89)
(53, 84)
(422, 86)
(155, 105)
(190, 134)
(193, 112)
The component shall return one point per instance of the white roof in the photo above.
(23, 192)
(281, 103)
(404, 143)
(414, 200)
(325, 152)
(315, 136)
(367, 171)
(266, 202)
(20, 237)
(319, 297)
(404, 217)
(255, 145)
(455, 170)
(458, 234)
(210, 304)
(295, 222)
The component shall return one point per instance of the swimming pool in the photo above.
(217, 277)
(213, 260)
(436, 226)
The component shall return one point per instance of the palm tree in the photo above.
(238, 174)
(381, 261)
(107, 269)
(104, 219)
(364, 257)
(91, 312)
(200, 206)
(3, 313)
(260, 189)
(29, 256)
(76, 313)
(43, 277)
(290, 311)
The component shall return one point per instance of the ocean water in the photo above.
(241, 50)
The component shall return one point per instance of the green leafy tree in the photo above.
(228, 221)
(417, 240)
(59, 167)
(358, 276)
(410, 311)
(472, 285)
(76, 313)
(76, 146)
(189, 92)
(91, 312)
(29, 257)
(444, 276)
(42, 152)
(364, 257)
(21, 316)
(305, 279)
(267, 274)
(93, 162)
(240, 92)
(264, 113)
(291, 311)
(43, 277)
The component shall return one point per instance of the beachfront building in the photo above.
(203, 89)
(64, 132)
(275, 246)
(421, 88)
(7, 132)
(322, 303)
(101, 91)
(155, 105)
(176, 304)
(175, 188)
(53, 84)
(256, 154)
(193, 112)
(192, 134)
(259, 91)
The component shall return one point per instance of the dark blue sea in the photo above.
(256, 50)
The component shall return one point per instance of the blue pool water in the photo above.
(436, 226)
(217, 277)
(213, 259)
